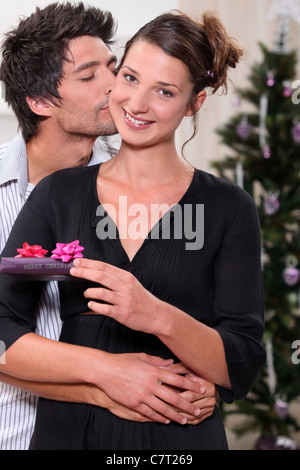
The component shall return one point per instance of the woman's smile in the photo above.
(135, 122)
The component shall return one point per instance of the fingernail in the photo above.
(197, 412)
(184, 421)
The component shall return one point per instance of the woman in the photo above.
(179, 268)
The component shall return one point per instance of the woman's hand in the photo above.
(205, 400)
(125, 299)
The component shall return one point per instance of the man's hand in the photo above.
(205, 400)
(146, 385)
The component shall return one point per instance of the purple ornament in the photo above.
(287, 90)
(291, 275)
(271, 205)
(244, 129)
(296, 133)
(271, 79)
(236, 101)
(267, 152)
(281, 408)
(275, 443)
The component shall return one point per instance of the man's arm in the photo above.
(90, 394)
(74, 393)
(134, 380)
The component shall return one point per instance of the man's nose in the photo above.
(109, 82)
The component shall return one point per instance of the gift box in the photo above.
(37, 269)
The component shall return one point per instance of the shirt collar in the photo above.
(13, 165)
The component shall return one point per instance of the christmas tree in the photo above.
(265, 161)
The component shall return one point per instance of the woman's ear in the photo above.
(198, 102)
(39, 106)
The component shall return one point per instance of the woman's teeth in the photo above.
(136, 121)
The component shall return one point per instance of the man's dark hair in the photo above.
(33, 54)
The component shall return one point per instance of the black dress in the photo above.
(216, 278)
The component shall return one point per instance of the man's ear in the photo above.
(39, 106)
(198, 102)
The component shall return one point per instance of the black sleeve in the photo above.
(239, 299)
(18, 298)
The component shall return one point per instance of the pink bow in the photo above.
(34, 251)
(67, 251)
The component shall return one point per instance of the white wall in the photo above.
(130, 14)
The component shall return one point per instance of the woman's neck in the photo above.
(144, 168)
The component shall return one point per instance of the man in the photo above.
(58, 71)
(48, 143)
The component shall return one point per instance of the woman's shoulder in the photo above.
(220, 190)
(65, 186)
(73, 175)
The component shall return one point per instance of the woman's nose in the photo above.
(139, 102)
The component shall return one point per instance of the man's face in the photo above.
(89, 75)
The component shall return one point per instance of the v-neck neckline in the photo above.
(153, 228)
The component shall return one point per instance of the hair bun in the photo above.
(226, 51)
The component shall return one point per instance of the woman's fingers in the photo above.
(97, 271)
(104, 278)
(102, 294)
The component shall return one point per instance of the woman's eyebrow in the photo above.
(169, 84)
(130, 69)
(159, 82)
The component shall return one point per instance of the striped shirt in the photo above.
(18, 408)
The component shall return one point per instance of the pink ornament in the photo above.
(68, 251)
(267, 152)
(271, 79)
(287, 90)
(34, 251)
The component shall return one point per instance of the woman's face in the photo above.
(151, 96)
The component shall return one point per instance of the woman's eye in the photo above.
(129, 78)
(166, 93)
